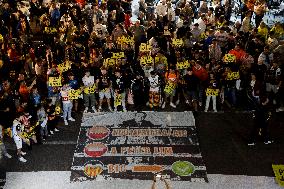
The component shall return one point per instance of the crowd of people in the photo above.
(55, 55)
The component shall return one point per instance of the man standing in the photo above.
(89, 95)
(154, 91)
(104, 86)
(18, 139)
(119, 91)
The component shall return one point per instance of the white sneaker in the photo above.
(268, 142)
(115, 110)
(23, 153)
(177, 102)
(163, 105)
(110, 109)
(147, 104)
(8, 156)
(94, 109)
(51, 132)
(56, 130)
(124, 110)
(251, 144)
(205, 110)
(71, 119)
(86, 110)
(65, 123)
(100, 109)
(187, 102)
(172, 105)
(21, 159)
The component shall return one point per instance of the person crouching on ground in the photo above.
(67, 104)
(17, 131)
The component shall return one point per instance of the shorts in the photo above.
(18, 142)
(103, 94)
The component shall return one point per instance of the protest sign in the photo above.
(229, 58)
(55, 81)
(146, 60)
(118, 55)
(74, 94)
(90, 90)
(233, 76)
(212, 92)
(170, 88)
(177, 42)
(145, 47)
(183, 65)
(118, 100)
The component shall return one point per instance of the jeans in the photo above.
(89, 98)
(230, 94)
(67, 109)
(208, 102)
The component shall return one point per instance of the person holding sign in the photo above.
(89, 94)
(119, 91)
(211, 92)
(67, 104)
(171, 80)
(104, 85)
(17, 131)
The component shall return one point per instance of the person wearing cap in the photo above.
(89, 97)
(119, 90)
(104, 85)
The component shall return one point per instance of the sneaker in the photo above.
(8, 156)
(100, 109)
(110, 109)
(21, 159)
(23, 153)
(177, 102)
(172, 105)
(71, 119)
(86, 110)
(251, 144)
(65, 123)
(94, 109)
(51, 132)
(187, 102)
(115, 110)
(205, 110)
(147, 104)
(268, 142)
(124, 110)
(163, 105)
(56, 130)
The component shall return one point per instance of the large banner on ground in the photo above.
(138, 145)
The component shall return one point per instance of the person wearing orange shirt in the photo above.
(238, 52)
(171, 80)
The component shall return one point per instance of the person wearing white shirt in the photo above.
(170, 12)
(67, 104)
(17, 130)
(89, 97)
(161, 8)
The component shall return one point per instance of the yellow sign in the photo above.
(146, 60)
(145, 47)
(177, 42)
(109, 62)
(161, 59)
(63, 67)
(118, 100)
(74, 94)
(90, 90)
(31, 132)
(229, 58)
(233, 75)
(50, 30)
(279, 174)
(118, 55)
(125, 40)
(55, 81)
(212, 92)
(183, 65)
(170, 88)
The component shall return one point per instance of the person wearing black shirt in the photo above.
(104, 86)
(119, 90)
(191, 86)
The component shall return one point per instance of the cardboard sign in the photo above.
(74, 94)
(55, 81)
(145, 47)
(63, 67)
(50, 30)
(146, 60)
(161, 59)
(109, 62)
(177, 42)
(229, 58)
(118, 100)
(183, 65)
(212, 92)
(279, 174)
(170, 88)
(90, 90)
(118, 55)
(125, 40)
(31, 132)
(233, 76)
